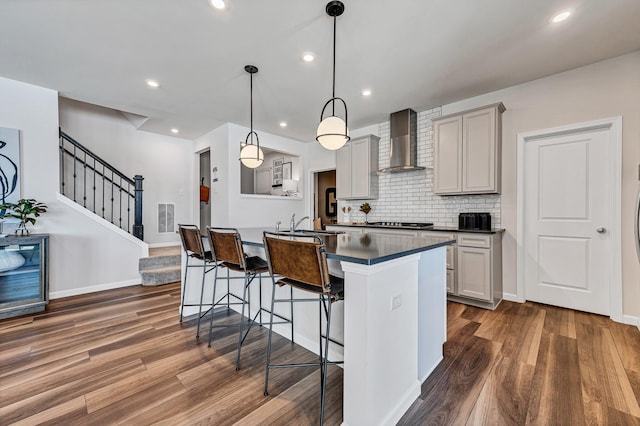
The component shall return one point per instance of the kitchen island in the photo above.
(394, 318)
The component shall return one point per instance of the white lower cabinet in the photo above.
(474, 268)
(479, 266)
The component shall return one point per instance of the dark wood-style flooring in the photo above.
(122, 356)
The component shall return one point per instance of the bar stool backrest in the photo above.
(301, 258)
(191, 241)
(226, 246)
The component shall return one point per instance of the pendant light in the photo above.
(333, 132)
(250, 154)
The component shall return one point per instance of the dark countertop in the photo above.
(414, 228)
(367, 248)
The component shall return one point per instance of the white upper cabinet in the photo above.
(467, 150)
(356, 169)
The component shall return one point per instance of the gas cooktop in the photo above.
(409, 225)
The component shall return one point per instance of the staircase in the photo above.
(161, 267)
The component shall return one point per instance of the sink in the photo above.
(319, 232)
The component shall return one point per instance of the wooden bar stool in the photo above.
(194, 250)
(228, 252)
(301, 262)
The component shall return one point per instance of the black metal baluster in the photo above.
(94, 184)
(75, 160)
(120, 202)
(62, 165)
(112, 185)
(129, 207)
(84, 181)
(103, 192)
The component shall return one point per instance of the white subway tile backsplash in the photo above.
(409, 196)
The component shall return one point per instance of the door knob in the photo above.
(601, 230)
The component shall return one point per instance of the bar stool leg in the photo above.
(213, 303)
(325, 361)
(266, 378)
(244, 302)
(291, 296)
(204, 272)
(184, 289)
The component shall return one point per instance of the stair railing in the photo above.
(98, 186)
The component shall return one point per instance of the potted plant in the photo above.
(26, 209)
(365, 208)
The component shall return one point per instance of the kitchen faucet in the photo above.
(293, 225)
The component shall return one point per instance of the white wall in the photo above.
(605, 89)
(229, 206)
(165, 162)
(84, 255)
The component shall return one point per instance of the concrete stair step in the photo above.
(161, 275)
(153, 262)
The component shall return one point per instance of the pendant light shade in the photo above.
(333, 131)
(250, 154)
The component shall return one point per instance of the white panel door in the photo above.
(566, 215)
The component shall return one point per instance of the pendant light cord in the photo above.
(333, 95)
(251, 85)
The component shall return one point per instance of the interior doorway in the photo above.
(205, 189)
(568, 216)
(325, 203)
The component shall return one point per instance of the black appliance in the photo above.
(474, 221)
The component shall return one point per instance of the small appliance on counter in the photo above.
(474, 221)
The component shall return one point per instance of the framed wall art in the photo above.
(277, 171)
(286, 170)
(9, 165)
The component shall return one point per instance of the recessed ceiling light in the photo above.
(283, 124)
(308, 57)
(561, 17)
(174, 130)
(153, 83)
(218, 4)
(366, 92)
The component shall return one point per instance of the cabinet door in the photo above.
(447, 161)
(474, 273)
(343, 172)
(479, 151)
(360, 168)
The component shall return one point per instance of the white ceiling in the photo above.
(411, 53)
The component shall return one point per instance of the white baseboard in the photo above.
(511, 297)
(93, 289)
(631, 320)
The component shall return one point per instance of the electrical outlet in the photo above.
(396, 301)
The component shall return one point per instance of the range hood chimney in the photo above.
(403, 143)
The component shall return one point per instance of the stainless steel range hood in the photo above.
(404, 142)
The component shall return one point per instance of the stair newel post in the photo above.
(138, 228)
